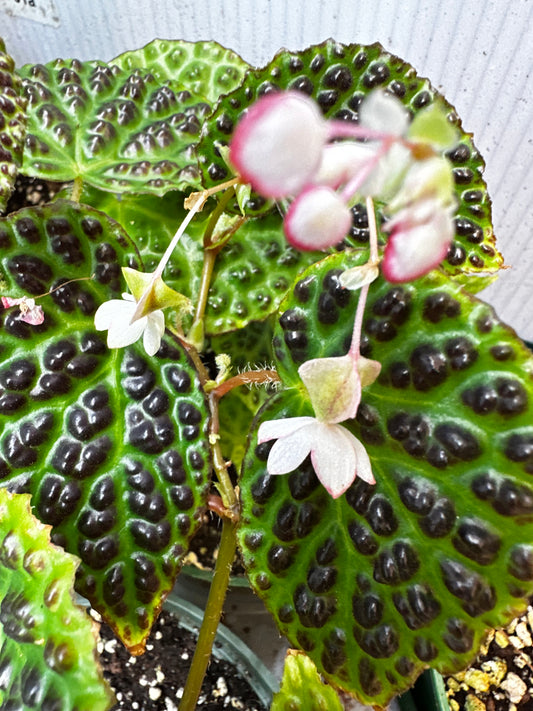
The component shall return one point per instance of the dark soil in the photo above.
(204, 547)
(155, 680)
(32, 192)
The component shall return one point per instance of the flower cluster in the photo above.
(283, 147)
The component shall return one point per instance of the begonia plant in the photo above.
(317, 230)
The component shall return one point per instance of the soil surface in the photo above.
(501, 679)
(155, 680)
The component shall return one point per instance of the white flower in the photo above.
(29, 311)
(334, 387)
(115, 316)
(336, 455)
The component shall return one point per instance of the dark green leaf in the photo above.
(111, 444)
(204, 68)
(338, 77)
(252, 272)
(48, 644)
(12, 125)
(118, 130)
(388, 579)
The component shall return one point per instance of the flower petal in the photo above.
(364, 468)
(113, 311)
(342, 161)
(334, 459)
(123, 333)
(274, 429)
(277, 146)
(387, 176)
(290, 451)
(426, 179)
(368, 370)
(384, 113)
(155, 328)
(334, 387)
(34, 315)
(431, 125)
(357, 277)
(115, 317)
(338, 457)
(317, 219)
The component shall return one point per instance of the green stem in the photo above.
(77, 189)
(196, 332)
(225, 487)
(213, 612)
(227, 492)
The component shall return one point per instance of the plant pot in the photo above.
(428, 694)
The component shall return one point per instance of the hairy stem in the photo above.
(250, 377)
(212, 614)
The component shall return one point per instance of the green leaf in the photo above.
(252, 272)
(302, 688)
(205, 68)
(432, 126)
(48, 644)
(388, 579)
(111, 444)
(338, 77)
(118, 130)
(12, 125)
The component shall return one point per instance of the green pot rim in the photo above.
(428, 694)
(229, 648)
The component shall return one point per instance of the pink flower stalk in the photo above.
(29, 311)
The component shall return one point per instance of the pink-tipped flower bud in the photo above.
(318, 218)
(277, 146)
(420, 236)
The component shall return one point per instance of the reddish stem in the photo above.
(250, 377)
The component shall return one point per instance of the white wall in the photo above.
(478, 52)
